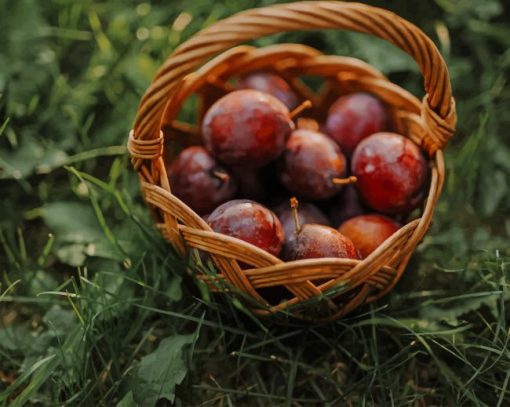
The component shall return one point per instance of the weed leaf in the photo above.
(160, 371)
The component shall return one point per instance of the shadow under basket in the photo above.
(205, 66)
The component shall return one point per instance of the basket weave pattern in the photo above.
(203, 65)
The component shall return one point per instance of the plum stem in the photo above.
(307, 104)
(294, 204)
(307, 123)
(344, 181)
(221, 175)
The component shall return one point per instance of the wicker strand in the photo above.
(438, 129)
(140, 149)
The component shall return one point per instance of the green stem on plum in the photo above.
(307, 104)
(294, 204)
(344, 181)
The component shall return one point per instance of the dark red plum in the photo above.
(354, 117)
(312, 165)
(251, 184)
(367, 232)
(317, 241)
(199, 180)
(246, 128)
(392, 173)
(251, 222)
(345, 206)
(307, 213)
(271, 83)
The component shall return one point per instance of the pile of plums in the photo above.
(354, 178)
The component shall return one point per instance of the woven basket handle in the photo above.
(438, 107)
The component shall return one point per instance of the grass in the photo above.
(95, 309)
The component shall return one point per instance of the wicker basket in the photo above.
(203, 64)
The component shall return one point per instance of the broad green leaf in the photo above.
(452, 311)
(160, 371)
(40, 282)
(72, 254)
(31, 156)
(15, 338)
(174, 290)
(59, 320)
(72, 222)
(127, 401)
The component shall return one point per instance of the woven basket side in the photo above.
(302, 280)
(193, 67)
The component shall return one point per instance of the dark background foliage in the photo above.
(94, 308)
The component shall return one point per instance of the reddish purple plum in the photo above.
(312, 241)
(317, 241)
(271, 83)
(354, 117)
(345, 206)
(311, 165)
(199, 180)
(251, 222)
(246, 128)
(367, 232)
(307, 213)
(392, 173)
(251, 184)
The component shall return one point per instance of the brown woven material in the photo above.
(202, 66)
